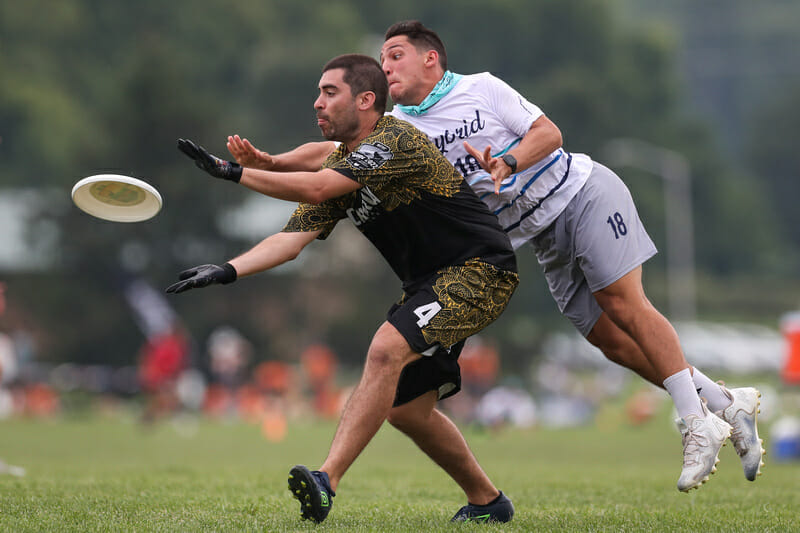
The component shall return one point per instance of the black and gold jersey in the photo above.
(413, 205)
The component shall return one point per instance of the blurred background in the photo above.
(694, 104)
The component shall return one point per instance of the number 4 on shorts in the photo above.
(426, 312)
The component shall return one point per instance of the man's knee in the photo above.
(389, 349)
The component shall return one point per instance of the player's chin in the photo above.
(328, 132)
(399, 95)
(396, 93)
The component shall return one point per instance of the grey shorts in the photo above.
(595, 241)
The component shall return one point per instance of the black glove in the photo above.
(203, 276)
(219, 168)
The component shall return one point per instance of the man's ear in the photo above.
(431, 58)
(365, 100)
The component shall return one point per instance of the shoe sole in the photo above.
(301, 483)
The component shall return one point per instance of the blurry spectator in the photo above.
(250, 403)
(8, 359)
(480, 368)
(21, 392)
(507, 404)
(165, 354)
(319, 366)
(190, 389)
(273, 378)
(7, 372)
(229, 353)
(277, 383)
(161, 362)
(162, 359)
(643, 405)
(41, 400)
(8, 363)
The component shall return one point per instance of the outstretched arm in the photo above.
(309, 187)
(540, 140)
(308, 157)
(275, 250)
(269, 253)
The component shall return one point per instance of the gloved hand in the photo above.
(219, 168)
(203, 276)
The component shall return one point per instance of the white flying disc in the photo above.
(117, 198)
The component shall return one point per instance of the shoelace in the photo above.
(692, 444)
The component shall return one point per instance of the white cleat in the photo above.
(703, 437)
(742, 415)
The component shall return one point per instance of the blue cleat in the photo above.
(313, 491)
(498, 510)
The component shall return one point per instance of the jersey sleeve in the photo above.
(516, 112)
(310, 217)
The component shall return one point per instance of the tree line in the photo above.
(98, 87)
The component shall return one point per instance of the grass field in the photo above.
(111, 474)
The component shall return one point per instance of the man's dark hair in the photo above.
(422, 38)
(362, 73)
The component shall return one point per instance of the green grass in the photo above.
(110, 474)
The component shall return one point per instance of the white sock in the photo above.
(711, 391)
(681, 387)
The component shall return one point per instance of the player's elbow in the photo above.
(321, 191)
(292, 253)
(547, 133)
(558, 140)
(554, 135)
(326, 185)
(316, 195)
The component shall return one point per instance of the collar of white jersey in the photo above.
(444, 86)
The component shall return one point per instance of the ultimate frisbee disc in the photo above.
(117, 198)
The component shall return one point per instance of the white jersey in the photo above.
(485, 111)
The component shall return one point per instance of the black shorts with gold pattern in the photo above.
(457, 302)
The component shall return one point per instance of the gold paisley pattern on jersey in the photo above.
(416, 165)
(439, 177)
(310, 217)
(472, 296)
